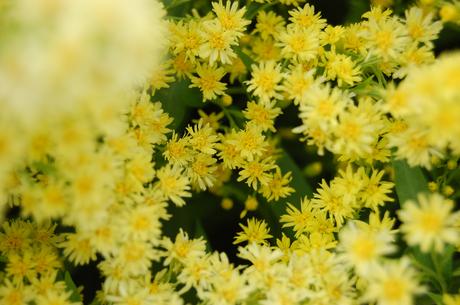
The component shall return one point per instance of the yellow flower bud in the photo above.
(226, 203)
(452, 164)
(447, 190)
(313, 169)
(227, 100)
(251, 203)
(448, 12)
(432, 186)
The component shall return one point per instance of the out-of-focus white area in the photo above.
(57, 54)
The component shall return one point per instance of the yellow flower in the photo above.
(183, 248)
(256, 231)
(357, 132)
(15, 237)
(342, 68)
(162, 76)
(430, 223)
(173, 184)
(135, 256)
(256, 172)
(12, 294)
(420, 25)
(202, 138)
(298, 43)
(374, 191)
(262, 114)
(386, 38)
(187, 39)
(229, 151)
(269, 24)
(177, 150)
(306, 18)
(265, 81)
(278, 186)
(300, 220)
(77, 247)
(230, 17)
(250, 142)
(21, 267)
(265, 50)
(297, 83)
(208, 81)
(201, 171)
(217, 43)
(332, 34)
(362, 246)
(392, 283)
(328, 200)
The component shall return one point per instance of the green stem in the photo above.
(439, 276)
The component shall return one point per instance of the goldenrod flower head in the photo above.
(262, 114)
(278, 186)
(342, 68)
(256, 231)
(305, 17)
(183, 248)
(421, 26)
(256, 172)
(201, 171)
(208, 81)
(429, 223)
(386, 36)
(250, 142)
(265, 81)
(178, 150)
(332, 34)
(298, 43)
(298, 82)
(363, 246)
(77, 247)
(217, 43)
(172, 184)
(230, 17)
(269, 24)
(392, 283)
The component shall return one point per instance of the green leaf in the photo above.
(75, 296)
(356, 9)
(446, 262)
(274, 210)
(247, 60)
(200, 232)
(409, 181)
(94, 302)
(299, 183)
(436, 298)
(177, 99)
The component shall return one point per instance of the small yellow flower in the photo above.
(256, 231)
(265, 81)
(208, 81)
(430, 223)
(393, 283)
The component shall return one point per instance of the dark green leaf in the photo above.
(177, 99)
(409, 181)
(75, 296)
(436, 298)
(247, 60)
(200, 232)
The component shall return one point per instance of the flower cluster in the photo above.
(115, 115)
